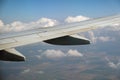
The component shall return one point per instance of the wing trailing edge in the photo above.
(69, 40)
(11, 55)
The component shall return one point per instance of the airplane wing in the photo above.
(59, 35)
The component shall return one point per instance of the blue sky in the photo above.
(30, 10)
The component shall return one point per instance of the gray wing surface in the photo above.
(60, 35)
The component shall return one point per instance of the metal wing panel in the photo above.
(6, 41)
(19, 41)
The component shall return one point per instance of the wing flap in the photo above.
(11, 55)
(69, 40)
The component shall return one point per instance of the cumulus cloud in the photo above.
(57, 54)
(39, 51)
(74, 53)
(71, 19)
(17, 26)
(40, 72)
(113, 28)
(112, 64)
(45, 22)
(20, 26)
(95, 36)
(51, 54)
(1, 23)
(42, 22)
(105, 38)
(26, 71)
(38, 56)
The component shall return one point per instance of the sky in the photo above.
(100, 57)
(31, 10)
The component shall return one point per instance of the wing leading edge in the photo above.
(8, 41)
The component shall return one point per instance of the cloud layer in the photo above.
(71, 19)
(112, 64)
(20, 26)
(52, 54)
(104, 35)
(1, 23)
(42, 22)
(26, 71)
(74, 53)
(57, 54)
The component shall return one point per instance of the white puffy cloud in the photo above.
(114, 27)
(42, 22)
(38, 56)
(16, 23)
(39, 51)
(96, 36)
(17, 26)
(20, 26)
(74, 53)
(71, 19)
(1, 23)
(105, 38)
(112, 64)
(57, 54)
(45, 22)
(51, 54)
(26, 71)
(40, 72)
